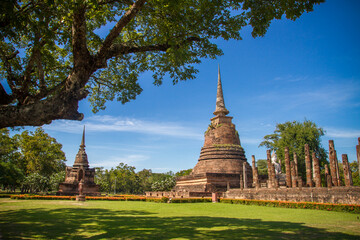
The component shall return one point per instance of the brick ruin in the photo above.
(79, 174)
(222, 168)
(222, 164)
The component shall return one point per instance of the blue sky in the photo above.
(309, 69)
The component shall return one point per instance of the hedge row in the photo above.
(5, 195)
(352, 208)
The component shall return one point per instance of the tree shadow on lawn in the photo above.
(72, 223)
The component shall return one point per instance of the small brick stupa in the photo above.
(79, 171)
(222, 163)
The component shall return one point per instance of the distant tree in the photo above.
(55, 179)
(52, 55)
(354, 167)
(34, 183)
(295, 135)
(10, 171)
(262, 167)
(164, 185)
(145, 180)
(126, 179)
(30, 153)
(183, 172)
(40, 153)
(11, 176)
(103, 179)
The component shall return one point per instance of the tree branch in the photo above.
(115, 31)
(120, 49)
(63, 105)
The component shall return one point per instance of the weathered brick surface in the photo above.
(79, 171)
(271, 171)
(296, 164)
(316, 170)
(293, 174)
(347, 171)
(221, 154)
(343, 195)
(287, 168)
(332, 160)
(255, 173)
(309, 182)
(358, 154)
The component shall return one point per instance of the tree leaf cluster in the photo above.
(30, 160)
(295, 135)
(54, 53)
(123, 179)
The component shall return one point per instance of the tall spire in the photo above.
(81, 156)
(220, 109)
(82, 145)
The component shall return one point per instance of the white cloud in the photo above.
(248, 140)
(342, 133)
(328, 95)
(108, 123)
(113, 161)
(291, 78)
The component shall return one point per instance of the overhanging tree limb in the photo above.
(50, 51)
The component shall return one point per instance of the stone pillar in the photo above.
(241, 181)
(300, 182)
(245, 175)
(275, 181)
(308, 166)
(255, 173)
(347, 171)
(287, 168)
(358, 154)
(332, 163)
(337, 170)
(268, 154)
(328, 177)
(296, 164)
(214, 197)
(293, 174)
(316, 170)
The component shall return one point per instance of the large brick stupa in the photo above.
(222, 163)
(79, 172)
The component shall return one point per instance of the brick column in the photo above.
(308, 166)
(287, 168)
(316, 169)
(255, 173)
(328, 177)
(268, 155)
(347, 171)
(275, 181)
(293, 174)
(337, 170)
(358, 154)
(245, 175)
(332, 163)
(241, 180)
(296, 164)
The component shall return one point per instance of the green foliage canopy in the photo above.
(31, 160)
(53, 53)
(295, 135)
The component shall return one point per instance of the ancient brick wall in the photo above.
(342, 195)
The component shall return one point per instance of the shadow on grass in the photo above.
(70, 223)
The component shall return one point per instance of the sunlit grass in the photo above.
(53, 219)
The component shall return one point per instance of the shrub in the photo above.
(352, 208)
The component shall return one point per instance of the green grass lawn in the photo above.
(52, 219)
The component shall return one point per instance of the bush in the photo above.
(190, 200)
(352, 208)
